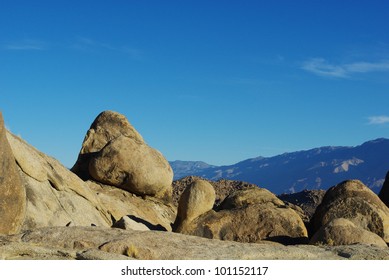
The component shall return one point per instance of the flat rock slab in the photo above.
(103, 243)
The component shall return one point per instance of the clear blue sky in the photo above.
(218, 81)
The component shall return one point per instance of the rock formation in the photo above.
(223, 187)
(55, 196)
(307, 200)
(197, 199)
(384, 193)
(249, 215)
(12, 193)
(114, 153)
(99, 243)
(46, 194)
(343, 232)
(48, 212)
(355, 202)
(152, 212)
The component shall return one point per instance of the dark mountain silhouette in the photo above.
(318, 168)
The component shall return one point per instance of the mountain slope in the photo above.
(312, 169)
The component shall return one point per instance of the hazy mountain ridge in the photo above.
(318, 168)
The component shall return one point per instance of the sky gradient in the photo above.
(217, 81)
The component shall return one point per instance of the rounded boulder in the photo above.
(132, 166)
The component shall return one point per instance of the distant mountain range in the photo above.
(318, 168)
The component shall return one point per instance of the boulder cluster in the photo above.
(122, 186)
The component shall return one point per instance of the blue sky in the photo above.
(218, 81)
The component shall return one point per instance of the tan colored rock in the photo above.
(132, 166)
(128, 223)
(384, 193)
(99, 243)
(222, 187)
(250, 215)
(107, 126)
(12, 192)
(343, 232)
(250, 196)
(58, 197)
(54, 195)
(153, 212)
(114, 153)
(353, 201)
(197, 199)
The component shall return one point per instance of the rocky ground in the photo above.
(119, 202)
(96, 243)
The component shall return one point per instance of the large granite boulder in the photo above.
(55, 196)
(355, 202)
(12, 192)
(106, 127)
(343, 232)
(114, 153)
(197, 199)
(249, 215)
(384, 193)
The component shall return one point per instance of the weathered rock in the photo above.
(353, 201)
(344, 232)
(250, 215)
(105, 243)
(12, 193)
(106, 127)
(114, 153)
(127, 223)
(384, 193)
(196, 200)
(248, 197)
(307, 200)
(223, 188)
(152, 212)
(132, 166)
(54, 195)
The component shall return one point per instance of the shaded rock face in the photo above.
(344, 232)
(114, 153)
(384, 193)
(12, 193)
(249, 215)
(353, 201)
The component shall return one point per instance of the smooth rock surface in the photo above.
(105, 243)
(12, 192)
(114, 153)
(250, 215)
(128, 223)
(344, 232)
(132, 166)
(55, 196)
(107, 126)
(197, 199)
(152, 212)
(353, 201)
